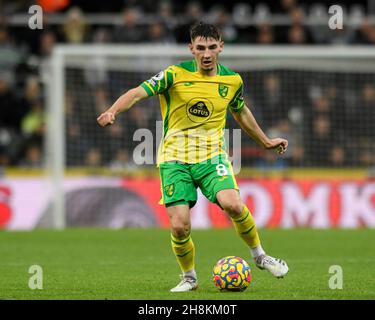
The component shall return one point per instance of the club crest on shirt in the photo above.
(223, 90)
(169, 189)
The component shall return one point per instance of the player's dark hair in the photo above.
(205, 30)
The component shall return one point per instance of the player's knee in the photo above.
(234, 209)
(180, 232)
(180, 229)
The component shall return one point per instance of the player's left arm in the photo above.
(247, 121)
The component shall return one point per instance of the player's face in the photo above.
(206, 52)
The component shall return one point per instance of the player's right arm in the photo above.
(123, 103)
(151, 87)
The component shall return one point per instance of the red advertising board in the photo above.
(116, 202)
(318, 203)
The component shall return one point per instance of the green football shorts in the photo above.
(179, 181)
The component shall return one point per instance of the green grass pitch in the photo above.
(139, 264)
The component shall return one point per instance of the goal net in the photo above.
(321, 99)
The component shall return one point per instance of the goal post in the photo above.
(84, 79)
(55, 136)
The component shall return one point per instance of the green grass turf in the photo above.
(139, 264)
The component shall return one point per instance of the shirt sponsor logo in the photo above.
(199, 109)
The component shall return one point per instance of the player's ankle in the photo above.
(190, 274)
(257, 251)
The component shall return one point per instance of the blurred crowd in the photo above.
(325, 125)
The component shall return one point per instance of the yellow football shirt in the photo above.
(194, 109)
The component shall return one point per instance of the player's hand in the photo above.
(106, 118)
(278, 144)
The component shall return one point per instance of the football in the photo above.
(231, 274)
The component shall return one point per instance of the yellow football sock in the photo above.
(184, 251)
(245, 227)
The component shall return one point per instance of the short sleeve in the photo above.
(237, 103)
(159, 82)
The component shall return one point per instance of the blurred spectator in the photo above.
(288, 5)
(271, 100)
(122, 161)
(365, 152)
(320, 141)
(10, 55)
(4, 157)
(297, 35)
(33, 157)
(366, 158)
(223, 21)
(297, 15)
(93, 158)
(46, 43)
(337, 157)
(356, 15)
(365, 115)
(33, 124)
(165, 12)
(265, 34)
(101, 36)
(297, 157)
(77, 142)
(138, 118)
(32, 95)
(284, 128)
(101, 100)
(320, 108)
(157, 33)
(262, 13)
(95, 73)
(193, 13)
(319, 32)
(75, 29)
(241, 13)
(117, 138)
(342, 36)
(6, 141)
(10, 106)
(10, 122)
(270, 160)
(322, 105)
(130, 31)
(365, 34)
